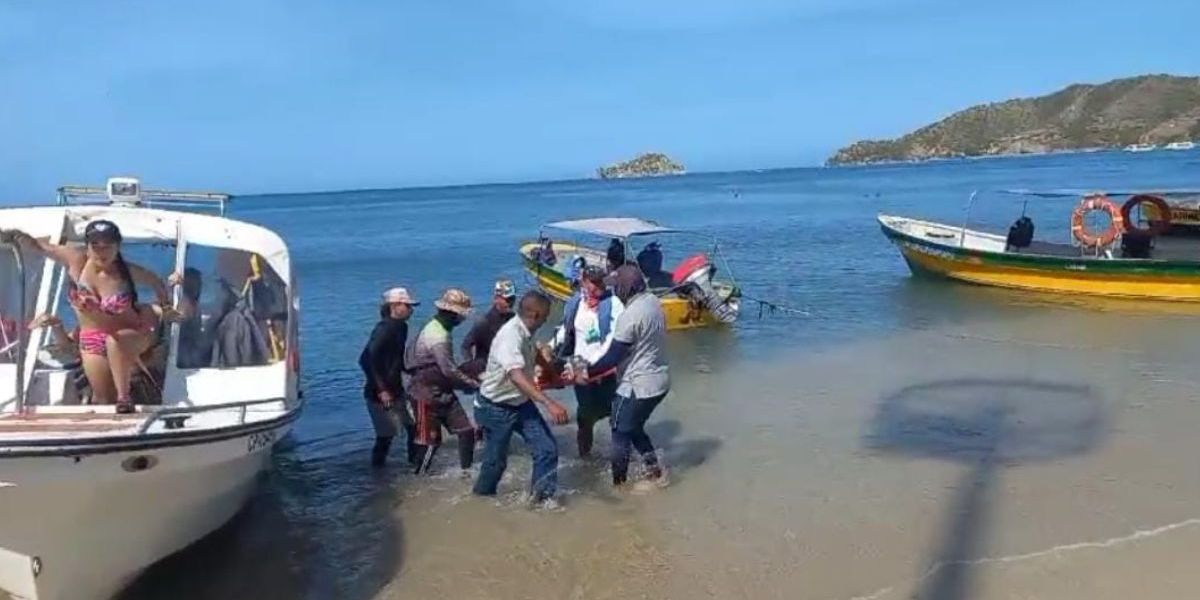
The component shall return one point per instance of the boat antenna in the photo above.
(962, 235)
(1024, 206)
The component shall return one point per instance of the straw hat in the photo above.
(455, 301)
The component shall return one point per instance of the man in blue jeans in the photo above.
(504, 404)
(637, 350)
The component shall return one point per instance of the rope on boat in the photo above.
(769, 307)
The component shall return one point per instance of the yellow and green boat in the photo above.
(690, 296)
(1163, 268)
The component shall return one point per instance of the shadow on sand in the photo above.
(304, 534)
(986, 425)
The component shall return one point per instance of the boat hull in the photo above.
(85, 525)
(679, 312)
(1118, 278)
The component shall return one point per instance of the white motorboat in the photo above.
(1187, 145)
(88, 497)
(1141, 148)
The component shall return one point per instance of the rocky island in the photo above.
(645, 165)
(1150, 109)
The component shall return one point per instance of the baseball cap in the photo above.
(102, 230)
(505, 288)
(399, 295)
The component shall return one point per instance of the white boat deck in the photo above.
(80, 422)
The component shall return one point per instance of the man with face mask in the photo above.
(643, 377)
(586, 331)
(429, 358)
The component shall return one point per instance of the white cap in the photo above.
(399, 295)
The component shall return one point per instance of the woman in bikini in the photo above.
(114, 330)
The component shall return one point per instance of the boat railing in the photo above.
(73, 195)
(7, 243)
(173, 416)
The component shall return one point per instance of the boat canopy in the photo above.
(618, 227)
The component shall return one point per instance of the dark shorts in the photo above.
(595, 400)
(430, 417)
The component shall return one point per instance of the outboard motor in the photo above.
(693, 279)
(1020, 235)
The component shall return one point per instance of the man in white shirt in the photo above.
(589, 319)
(503, 406)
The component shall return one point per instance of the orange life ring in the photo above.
(1158, 226)
(1108, 236)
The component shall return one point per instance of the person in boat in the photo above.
(195, 344)
(544, 253)
(382, 362)
(637, 351)
(650, 261)
(586, 331)
(434, 378)
(615, 256)
(114, 328)
(478, 341)
(506, 404)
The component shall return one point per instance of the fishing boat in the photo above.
(1132, 258)
(1187, 145)
(1141, 147)
(691, 296)
(91, 497)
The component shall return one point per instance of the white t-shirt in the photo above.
(588, 342)
(512, 348)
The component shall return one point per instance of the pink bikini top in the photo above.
(113, 305)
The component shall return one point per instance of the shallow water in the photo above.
(905, 439)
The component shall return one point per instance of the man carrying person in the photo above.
(506, 404)
(434, 378)
(643, 375)
(586, 331)
(478, 341)
(382, 361)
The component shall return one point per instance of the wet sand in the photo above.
(1045, 456)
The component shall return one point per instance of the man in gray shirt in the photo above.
(638, 351)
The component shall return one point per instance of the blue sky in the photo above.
(316, 95)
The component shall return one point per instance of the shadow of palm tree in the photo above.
(985, 424)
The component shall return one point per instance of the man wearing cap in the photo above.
(382, 361)
(643, 377)
(586, 331)
(434, 377)
(505, 404)
(478, 341)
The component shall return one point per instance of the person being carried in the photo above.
(114, 328)
(586, 331)
(644, 378)
(382, 361)
(429, 360)
(478, 341)
(505, 404)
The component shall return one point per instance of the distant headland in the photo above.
(650, 164)
(1149, 109)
